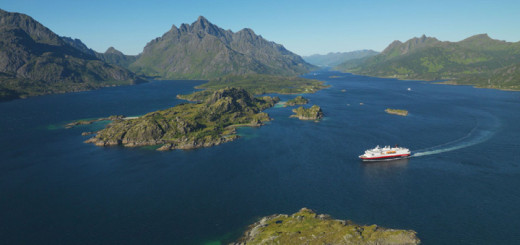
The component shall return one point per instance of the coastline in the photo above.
(445, 82)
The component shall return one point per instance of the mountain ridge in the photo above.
(36, 61)
(477, 60)
(202, 50)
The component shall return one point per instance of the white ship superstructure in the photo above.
(385, 153)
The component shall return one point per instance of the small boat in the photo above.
(386, 153)
(409, 89)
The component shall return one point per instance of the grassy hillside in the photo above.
(258, 84)
(478, 60)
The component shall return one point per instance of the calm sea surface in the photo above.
(462, 186)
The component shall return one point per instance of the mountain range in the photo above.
(478, 60)
(34, 61)
(333, 59)
(203, 50)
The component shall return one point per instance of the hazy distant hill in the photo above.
(34, 61)
(334, 59)
(111, 56)
(203, 50)
(477, 60)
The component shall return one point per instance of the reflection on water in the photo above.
(380, 168)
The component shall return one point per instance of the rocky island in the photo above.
(190, 125)
(299, 100)
(307, 227)
(397, 112)
(313, 113)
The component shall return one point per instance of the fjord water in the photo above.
(461, 187)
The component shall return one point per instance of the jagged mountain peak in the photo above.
(203, 25)
(203, 50)
(202, 20)
(422, 39)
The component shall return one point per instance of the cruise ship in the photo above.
(385, 153)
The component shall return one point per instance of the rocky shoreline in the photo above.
(312, 113)
(307, 227)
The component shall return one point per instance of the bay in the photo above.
(461, 187)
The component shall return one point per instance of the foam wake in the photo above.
(483, 131)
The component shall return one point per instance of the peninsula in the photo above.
(190, 125)
(307, 227)
(257, 84)
(313, 113)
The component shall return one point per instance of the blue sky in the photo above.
(304, 27)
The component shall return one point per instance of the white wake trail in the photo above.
(477, 135)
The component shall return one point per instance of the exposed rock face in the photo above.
(203, 51)
(299, 100)
(313, 113)
(34, 61)
(306, 227)
(189, 126)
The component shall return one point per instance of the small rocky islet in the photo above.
(398, 112)
(190, 125)
(312, 113)
(299, 100)
(307, 227)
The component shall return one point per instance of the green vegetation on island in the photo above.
(190, 125)
(36, 61)
(397, 112)
(222, 107)
(257, 84)
(312, 113)
(307, 227)
(477, 60)
(299, 100)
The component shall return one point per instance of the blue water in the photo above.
(461, 187)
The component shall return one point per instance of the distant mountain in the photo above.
(203, 50)
(334, 59)
(34, 61)
(111, 56)
(477, 60)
